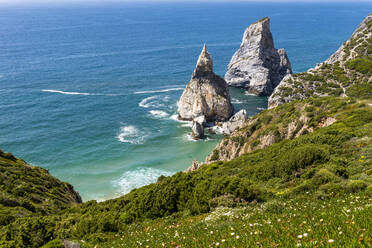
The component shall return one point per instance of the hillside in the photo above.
(27, 190)
(329, 163)
(348, 72)
(298, 174)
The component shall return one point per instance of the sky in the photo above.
(118, 1)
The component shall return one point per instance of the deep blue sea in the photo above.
(90, 91)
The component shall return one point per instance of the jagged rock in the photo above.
(332, 77)
(257, 65)
(200, 119)
(235, 122)
(206, 94)
(70, 244)
(195, 165)
(197, 130)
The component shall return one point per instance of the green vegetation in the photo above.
(313, 170)
(284, 122)
(342, 76)
(27, 190)
(303, 178)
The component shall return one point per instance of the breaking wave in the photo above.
(157, 91)
(158, 113)
(138, 178)
(236, 101)
(68, 92)
(78, 93)
(130, 134)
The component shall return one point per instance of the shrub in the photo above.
(356, 186)
(324, 176)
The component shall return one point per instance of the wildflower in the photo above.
(298, 244)
(237, 237)
(305, 234)
(340, 232)
(232, 234)
(330, 241)
(299, 236)
(217, 244)
(321, 220)
(223, 240)
(211, 232)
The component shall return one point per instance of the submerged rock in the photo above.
(206, 94)
(257, 65)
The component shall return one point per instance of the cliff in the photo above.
(257, 65)
(348, 72)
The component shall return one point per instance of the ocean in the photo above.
(90, 92)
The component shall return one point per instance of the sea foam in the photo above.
(68, 92)
(138, 178)
(158, 113)
(147, 102)
(157, 91)
(78, 93)
(130, 134)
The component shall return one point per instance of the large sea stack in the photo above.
(257, 65)
(206, 96)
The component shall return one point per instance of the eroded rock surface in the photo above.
(257, 65)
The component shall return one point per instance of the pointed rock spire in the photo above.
(257, 65)
(206, 97)
(204, 66)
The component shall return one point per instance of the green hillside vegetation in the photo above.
(287, 121)
(27, 190)
(349, 76)
(311, 171)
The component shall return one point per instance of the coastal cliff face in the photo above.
(348, 72)
(206, 94)
(257, 65)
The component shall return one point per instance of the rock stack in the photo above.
(257, 65)
(206, 97)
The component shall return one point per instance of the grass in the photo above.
(318, 168)
(304, 221)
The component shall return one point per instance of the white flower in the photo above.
(237, 237)
(223, 240)
(299, 236)
(211, 232)
(217, 244)
(232, 234)
(330, 241)
(305, 234)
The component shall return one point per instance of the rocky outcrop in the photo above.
(235, 122)
(257, 65)
(197, 130)
(206, 94)
(347, 72)
(195, 165)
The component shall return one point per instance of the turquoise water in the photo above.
(90, 92)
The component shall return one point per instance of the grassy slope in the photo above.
(27, 190)
(350, 76)
(327, 164)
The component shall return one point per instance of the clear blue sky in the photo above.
(97, 1)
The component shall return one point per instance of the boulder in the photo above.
(257, 65)
(206, 94)
(235, 122)
(197, 130)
